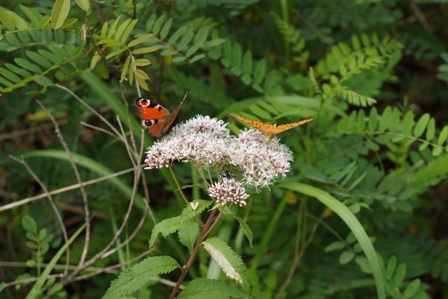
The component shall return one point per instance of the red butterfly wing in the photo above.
(156, 117)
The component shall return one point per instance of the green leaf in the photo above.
(400, 274)
(182, 45)
(260, 71)
(412, 288)
(176, 35)
(158, 24)
(229, 262)
(408, 122)
(36, 290)
(391, 266)
(145, 50)
(247, 63)
(9, 75)
(34, 16)
(197, 57)
(193, 49)
(346, 257)
(182, 58)
(202, 288)
(188, 235)
(421, 125)
(128, 30)
(29, 224)
(337, 245)
(134, 278)
(352, 222)
(120, 30)
(6, 19)
(39, 59)
(431, 129)
(139, 40)
(114, 53)
(201, 36)
(59, 13)
(245, 228)
(83, 4)
(443, 136)
(166, 28)
(17, 70)
(142, 62)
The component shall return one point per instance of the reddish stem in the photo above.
(205, 230)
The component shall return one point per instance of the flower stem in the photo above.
(204, 232)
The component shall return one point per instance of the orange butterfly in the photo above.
(270, 130)
(157, 118)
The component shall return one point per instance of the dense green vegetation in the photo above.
(360, 213)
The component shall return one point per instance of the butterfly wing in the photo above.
(157, 118)
(286, 127)
(267, 129)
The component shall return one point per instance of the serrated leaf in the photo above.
(139, 40)
(420, 127)
(188, 235)
(171, 225)
(145, 50)
(166, 28)
(83, 4)
(229, 262)
(202, 288)
(134, 278)
(59, 13)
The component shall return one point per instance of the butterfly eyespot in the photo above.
(142, 102)
(148, 122)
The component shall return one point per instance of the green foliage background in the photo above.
(372, 74)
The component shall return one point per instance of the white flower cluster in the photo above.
(228, 190)
(206, 142)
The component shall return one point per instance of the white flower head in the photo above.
(206, 142)
(228, 191)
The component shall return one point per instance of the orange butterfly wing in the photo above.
(157, 118)
(267, 129)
